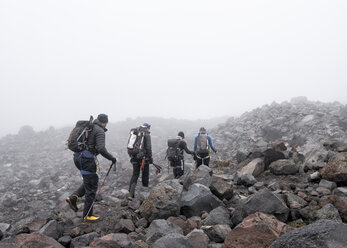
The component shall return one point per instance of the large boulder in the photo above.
(221, 188)
(254, 168)
(113, 240)
(186, 225)
(220, 215)
(52, 229)
(198, 239)
(336, 169)
(263, 201)
(321, 234)
(284, 167)
(172, 240)
(295, 202)
(160, 228)
(34, 240)
(217, 233)
(83, 240)
(124, 226)
(314, 213)
(163, 201)
(339, 202)
(270, 155)
(201, 175)
(197, 199)
(256, 231)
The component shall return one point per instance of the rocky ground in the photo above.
(282, 183)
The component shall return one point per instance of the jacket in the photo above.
(183, 147)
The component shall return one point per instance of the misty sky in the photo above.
(63, 60)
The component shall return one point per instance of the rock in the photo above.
(112, 240)
(124, 226)
(75, 232)
(34, 240)
(340, 191)
(217, 233)
(163, 201)
(219, 215)
(323, 191)
(37, 224)
(323, 233)
(141, 223)
(202, 175)
(329, 212)
(254, 168)
(65, 241)
(198, 239)
(8, 200)
(336, 169)
(270, 156)
(83, 240)
(1, 235)
(134, 204)
(340, 203)
(186, 225)
(245, 179)
(327, 184)
(295, 202)
(263, 201)
(258, 185)
(221, 188)
(160, 228)
(283, 167)
(314, 177)
(197, 199)
(172, 240)
(4, 227)
(52, 229)
(256, 231)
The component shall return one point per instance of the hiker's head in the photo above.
(202, 130)
(146, 125)
(103, 118)
(181, 134)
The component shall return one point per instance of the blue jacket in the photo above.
(210, 142)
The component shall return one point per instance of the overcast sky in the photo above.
(63, 60)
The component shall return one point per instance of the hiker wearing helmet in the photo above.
(175, 150)
(140, 152)
(202, 144)
(88, 165)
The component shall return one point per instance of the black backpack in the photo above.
(173, 153)
(77, 141)
(202, 144)
(135, 145)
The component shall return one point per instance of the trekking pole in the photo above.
(108, 172)
(158, 167)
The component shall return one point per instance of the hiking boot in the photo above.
(87, 219)
(72, 200)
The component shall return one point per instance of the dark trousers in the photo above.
(136, 173)
(88, 188)
(202, 159)
(178, 168)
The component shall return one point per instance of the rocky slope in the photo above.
(282, 184)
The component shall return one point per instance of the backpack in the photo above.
(135, 142)
(202, 144)
(77, 140)
(173, 153)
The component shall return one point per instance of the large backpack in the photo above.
(135, 145)
(202, 144)
(77, 140)
(173, 153)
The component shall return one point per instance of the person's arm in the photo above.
(183, 146)
(211, 143)
(100, 146)
(195, 139)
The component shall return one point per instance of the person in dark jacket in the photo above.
(88, 165)
(202, 144)
(136, 161)
(178, 165)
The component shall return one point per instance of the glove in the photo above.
(114, 160)
(150, 160)
(215, 152)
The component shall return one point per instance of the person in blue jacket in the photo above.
(202, 144)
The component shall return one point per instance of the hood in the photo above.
(97, 122)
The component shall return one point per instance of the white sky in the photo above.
(63, 60)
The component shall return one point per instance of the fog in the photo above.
(63, 60)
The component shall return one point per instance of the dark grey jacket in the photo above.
(147, 142)
(97, 139)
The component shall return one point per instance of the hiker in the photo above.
(140, 155)
(202, 143)
(87, 163)
(175, 154)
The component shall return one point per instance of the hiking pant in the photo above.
(178, 168)
(202, 159)
(136, 173)
(88, 188)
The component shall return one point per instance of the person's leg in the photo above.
(91, 186)
(181, 171)
(135, 176)
(145, 175)
(175, 169)
(198, 162)
(207, 160)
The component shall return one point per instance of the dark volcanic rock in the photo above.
(160, 228)
(198, 239)
(321, 234)
(172, 240)
(52, 229)
(83, 240)
(35, 240)
(284, 167)
(221, 188)
(336, 169)
(125, 226)
(220, 215)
